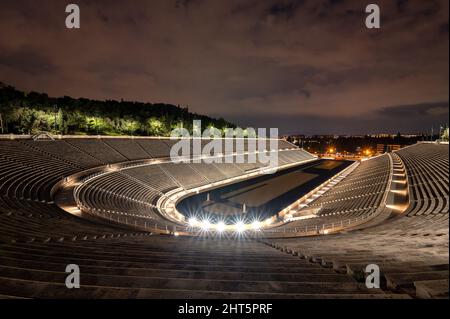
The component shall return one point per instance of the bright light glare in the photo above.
(206, 225)
(256, 225)
(240, 227)
(193, 221)
(220, 227)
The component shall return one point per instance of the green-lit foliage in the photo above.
(25, 113)
(444, 135)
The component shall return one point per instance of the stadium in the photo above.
(224, 158)
(140, 226)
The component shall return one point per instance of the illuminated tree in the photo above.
(444, 136)
(26, 112)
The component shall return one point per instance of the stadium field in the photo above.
(329, 165)
(262, 196)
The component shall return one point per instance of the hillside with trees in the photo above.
(31, 112)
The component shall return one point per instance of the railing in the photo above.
(77, 181)
(337, 177)
(172, 198)
(157, 226)
(131, 137)
(164, 201)
(339, 225)
(139, 222)
(323, 229)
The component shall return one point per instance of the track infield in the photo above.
(263, 196)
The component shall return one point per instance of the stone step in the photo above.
(406, 280)
(340, 264)
(167, 265)
(319, 275)
(358, 268)
(282, 260)
(432, 289)
(36, 289)
(102, 249)
(10, 297)
(306, 287)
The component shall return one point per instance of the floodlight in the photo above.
(240, 227)
(220, 227)
(193, 222)
(256, 225)
(205, 225)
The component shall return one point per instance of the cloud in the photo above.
(259, 62)
(417, 118)
(416, 110)
(285, 9)
(27, 60)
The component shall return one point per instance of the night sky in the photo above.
(304, 66)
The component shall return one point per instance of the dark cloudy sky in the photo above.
(307, 66)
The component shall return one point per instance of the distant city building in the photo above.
(382, 135)
(410, 135)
